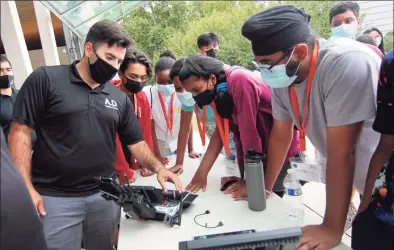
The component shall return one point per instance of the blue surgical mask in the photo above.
(166, 90)
(378, 40)
(277, 76)
(345, 30)
(186, 98)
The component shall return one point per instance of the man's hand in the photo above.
(318, 237)
(177, 169)
(38, 202)
(198, 182)
(146, 172)
(164, 175)
(238, 190)
(193, 154)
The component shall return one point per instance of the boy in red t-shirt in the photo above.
(134, 72)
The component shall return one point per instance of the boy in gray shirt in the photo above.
(330, 83)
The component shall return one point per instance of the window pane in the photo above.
(87, 10)
(63, 6)
(111, 14)
(129, 5)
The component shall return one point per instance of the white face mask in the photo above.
(345, 30)
(166, 90)
(277, 76)
(186, 98)
(378, 40)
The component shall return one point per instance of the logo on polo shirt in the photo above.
(111, 104)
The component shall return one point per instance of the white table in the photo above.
(235, 215)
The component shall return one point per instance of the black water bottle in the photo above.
(254, 175)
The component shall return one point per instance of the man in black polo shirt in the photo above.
(8, 94)
(76, 114)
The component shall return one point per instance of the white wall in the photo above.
(379, 14)
(37, 58)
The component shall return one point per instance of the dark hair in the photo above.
(202, 67)
(134, 57)
(176, 68)
(5, 59)
(207, 39)
(167, 59)
(168, 53)
(109, 32)
(381, 45)
(341, 8)
(366, 39)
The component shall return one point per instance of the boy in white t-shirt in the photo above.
(165, 109)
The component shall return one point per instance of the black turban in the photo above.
(276, 29)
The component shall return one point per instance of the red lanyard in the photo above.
(170, 119)
(202, 127)
(224, 130)
(294, 100)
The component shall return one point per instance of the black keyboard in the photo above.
(282, 239)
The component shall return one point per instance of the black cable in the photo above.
(206, 224)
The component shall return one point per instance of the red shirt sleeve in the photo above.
(121, 165)
(145, 120)
(246, 97)
(144, 117)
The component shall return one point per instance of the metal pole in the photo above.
(72, 55)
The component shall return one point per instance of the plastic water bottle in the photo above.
(293, 196)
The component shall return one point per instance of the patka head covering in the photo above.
(276, 29)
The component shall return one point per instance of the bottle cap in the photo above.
(253, 156)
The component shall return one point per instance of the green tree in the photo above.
(319, 12)
(151, 24)
(388, 41)
(234, 48)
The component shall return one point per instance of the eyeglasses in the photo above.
(261, 66)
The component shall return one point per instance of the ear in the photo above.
(88, 49)
(213, 79)
(122, 76)
(300, 52)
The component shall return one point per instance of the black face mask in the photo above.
(212, 53)
(205, 98)
(134, 86)
(224, 105)
(101, 71)
(6, 81)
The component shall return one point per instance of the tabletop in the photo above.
(235, 215)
